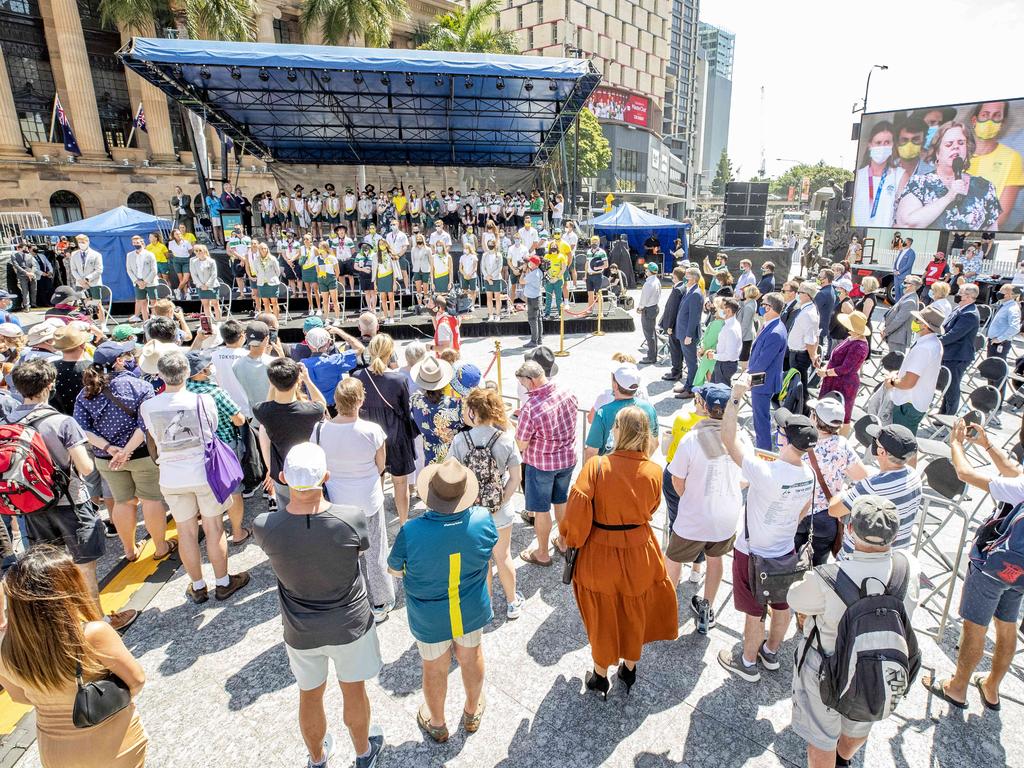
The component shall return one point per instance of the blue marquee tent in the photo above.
(111, 234)
(348, 106)
(637, 225)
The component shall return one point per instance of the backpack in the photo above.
(30, 480)
(876, 658)
(791, 396)
(481, 462)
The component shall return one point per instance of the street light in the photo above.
(867, 87)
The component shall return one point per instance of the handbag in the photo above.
(837, 541)
(571, 553)
(223, 469)
(771, 577)
(99, 700)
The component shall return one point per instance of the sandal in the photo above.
(978, 680)
(439, 734)
(937, 688)
(172, 547)
(472, 722)
(248, 535)
(530, 557)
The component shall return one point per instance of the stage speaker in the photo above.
(742, 240)
(746, 225)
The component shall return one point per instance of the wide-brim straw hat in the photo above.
(432, 373)
(448, 487)
(856, 322)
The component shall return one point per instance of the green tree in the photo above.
(199, 19)
(342, 20)
(819, 174)
(471, 29)
(595, 152)
(723, 174)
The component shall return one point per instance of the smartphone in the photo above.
(204, 324)
(273, 335)
(757, 379)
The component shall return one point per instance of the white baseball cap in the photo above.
(627, 376)
(305, 467)
(318, 338)
(831, 409)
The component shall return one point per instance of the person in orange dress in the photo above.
(621, 588)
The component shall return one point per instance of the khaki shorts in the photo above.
(818, 725)
(186, 503)
(682, 550)
(353, 663)
(432, 651)
(137, 479)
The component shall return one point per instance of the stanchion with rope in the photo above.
(497, 357)
(600, 314)
(561, 333)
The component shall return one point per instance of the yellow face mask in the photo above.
(915, 326)
(909, 151)
(987, 129)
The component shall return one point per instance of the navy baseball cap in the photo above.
(714, 395)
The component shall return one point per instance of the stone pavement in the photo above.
(219, 692)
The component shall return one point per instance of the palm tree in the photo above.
(472, 30)
(199, 19)
(342, 20)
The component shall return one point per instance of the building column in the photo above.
(70, 62)
(265, 24)
(11, 142)
(154, 105)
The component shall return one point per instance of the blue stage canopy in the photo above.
(637, 225)
(347, 106)
(111, 234)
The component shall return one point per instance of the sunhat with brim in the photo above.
(40, 333)
(10, 330)
(931, 317)
(70, 337)
(448, 487)
(432, 373)
(152, 351)
(856, 322)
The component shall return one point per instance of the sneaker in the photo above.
(376, 747)
(135, 319)
(328, 752)
(515, 608)
(732, 661)
(769, 660)
(197, 596)
(110, 529)
(380, 612)
(251, 492)
(695, 605)
(121, 620)
(705, 617)
(696, 577)
(272, 504)
(235, 582)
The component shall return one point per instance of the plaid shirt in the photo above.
(226, 407)
(548, 421)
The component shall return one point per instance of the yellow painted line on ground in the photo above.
(113, 597)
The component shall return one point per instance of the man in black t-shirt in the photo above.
(285, 419)
(70, 341)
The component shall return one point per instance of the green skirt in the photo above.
(207, 294)
(469, 283)
(386, 284)
(493, 286)
(327, 283)
(94, 292)
(309, 275)
(441, 284)
(268, 291)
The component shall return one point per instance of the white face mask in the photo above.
(721, 313)
(880, 154)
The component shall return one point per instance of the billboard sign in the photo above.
(953, 167)
(612, 104)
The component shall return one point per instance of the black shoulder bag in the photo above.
(99, 700)
(571, 553)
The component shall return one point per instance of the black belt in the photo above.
(604, 527)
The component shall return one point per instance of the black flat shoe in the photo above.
(627, 676)
(599, 683)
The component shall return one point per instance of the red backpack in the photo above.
(30, 481)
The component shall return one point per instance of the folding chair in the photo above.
(163, 290)
(985, 400)
(863, 438)
(106, 299)
(888, 363)
(225, 296)
(284, 298)
(985, 313)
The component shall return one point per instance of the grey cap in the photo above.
(875, 520)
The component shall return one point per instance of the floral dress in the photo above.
(438, 423)
(978, 210)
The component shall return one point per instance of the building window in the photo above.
(286, 30)
(141, 202)
(20, 7)
(28, 68)
(65, 207)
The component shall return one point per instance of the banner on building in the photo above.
(612, 104)
(805, 188)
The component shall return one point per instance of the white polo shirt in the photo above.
(805, 328)
(730, 342)
(924, 358)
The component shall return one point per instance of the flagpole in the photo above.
(53, 117)
(135, 119)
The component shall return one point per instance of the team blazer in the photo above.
(141, 266)
(87, 265)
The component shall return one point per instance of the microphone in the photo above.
(958, 173)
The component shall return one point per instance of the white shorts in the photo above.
(818, 725)
(504, 516)
(353, 663)
(186, 503)
(432, 651)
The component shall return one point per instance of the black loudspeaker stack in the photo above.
(746, 204)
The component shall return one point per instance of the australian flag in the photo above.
(140, 119)
(65, 126)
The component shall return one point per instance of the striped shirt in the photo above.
(903, 488)
(548, 422)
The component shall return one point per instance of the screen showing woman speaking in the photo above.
(955, 167)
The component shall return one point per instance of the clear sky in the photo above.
(813, 56)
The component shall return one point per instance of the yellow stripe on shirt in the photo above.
(454, 608)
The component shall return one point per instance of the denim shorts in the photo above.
(546, 487)
(985, 597)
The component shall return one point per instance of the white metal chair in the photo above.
(106, 299)
(284, 299)
(163, 290)
(224, 298)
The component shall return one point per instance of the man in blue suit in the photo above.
(687, 328)
(668, 322)
(902, 267)
(825, 302)
(958, 336)
(766, 356)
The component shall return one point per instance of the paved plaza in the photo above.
(219, 691)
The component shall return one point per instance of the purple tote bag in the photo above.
(223, 469)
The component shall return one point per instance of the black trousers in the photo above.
(675, 351)
(801, 360)
(649, 324)
(723, 372)
(951, 401)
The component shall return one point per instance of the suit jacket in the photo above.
(896, 323)
(766, 284)
(904, 264)
(958, 334)
(825, 302)
(766, 354)
(668, 315)
(691, 306)
(789, 314)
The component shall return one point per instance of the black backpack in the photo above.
(876, 658)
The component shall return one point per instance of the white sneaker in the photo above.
(328, 753)
(134, 319)
(515, 608)
(696, 577)
(380, 613)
